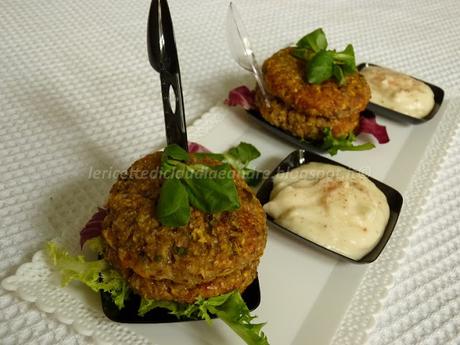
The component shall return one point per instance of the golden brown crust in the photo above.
(207, 255)
(304, 126)
(169, 290)
(284, 77)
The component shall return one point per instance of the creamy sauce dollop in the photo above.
(398, 91)
(334, 207)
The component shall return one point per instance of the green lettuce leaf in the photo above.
(230, 308)
(95, 245)
(175, 308)
(97, 275)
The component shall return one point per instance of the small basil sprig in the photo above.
(239, 157)
(344, 143)
(323, 64)
(173, 208)
(210, 189)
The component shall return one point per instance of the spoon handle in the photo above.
(240, 48)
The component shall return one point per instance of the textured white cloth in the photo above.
(76, 90)
(423, 307)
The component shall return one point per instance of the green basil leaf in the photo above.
(303, 53)
(168, 169)
(214, 191)
(315, 40)
(173, 169)
(345, 143)
(202, 155)
(173, 207)
(176, 152)
(348, 69)
(362, 147)
(299, 52)
(338, 74)
(244, 152)
(239, 157)
(347, 59)
(252, 176)
(319, 68)
(323, 64)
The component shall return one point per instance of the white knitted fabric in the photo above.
(76, 90)
(423, 307)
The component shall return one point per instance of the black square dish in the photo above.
(160, 315)
(289, 137)
(300, 157)
(281, 133)
(395, 115)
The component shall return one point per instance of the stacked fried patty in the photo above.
(306, 109)
(212, 255)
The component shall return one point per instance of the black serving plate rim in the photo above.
(288, 136)
(280, 132)
(384, 111)
(394, 209)
(128, 314)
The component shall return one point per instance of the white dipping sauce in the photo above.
(398, 91)
(337, 208)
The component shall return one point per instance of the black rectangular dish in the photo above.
(289, 137)
(128, 314)
(395, 115)
(300, 157)
(281, 133)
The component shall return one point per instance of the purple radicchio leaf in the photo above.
(241, 96)
(368, 124)
(195, 147)
(94, 226)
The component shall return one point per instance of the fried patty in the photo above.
(170, 290)
(305, 109)
(304, 126)
(211, 255)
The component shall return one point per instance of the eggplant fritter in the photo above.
(212, 255)
(305, 109)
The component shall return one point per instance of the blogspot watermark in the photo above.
(158, 173)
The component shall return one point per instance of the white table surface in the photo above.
(76, 90)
